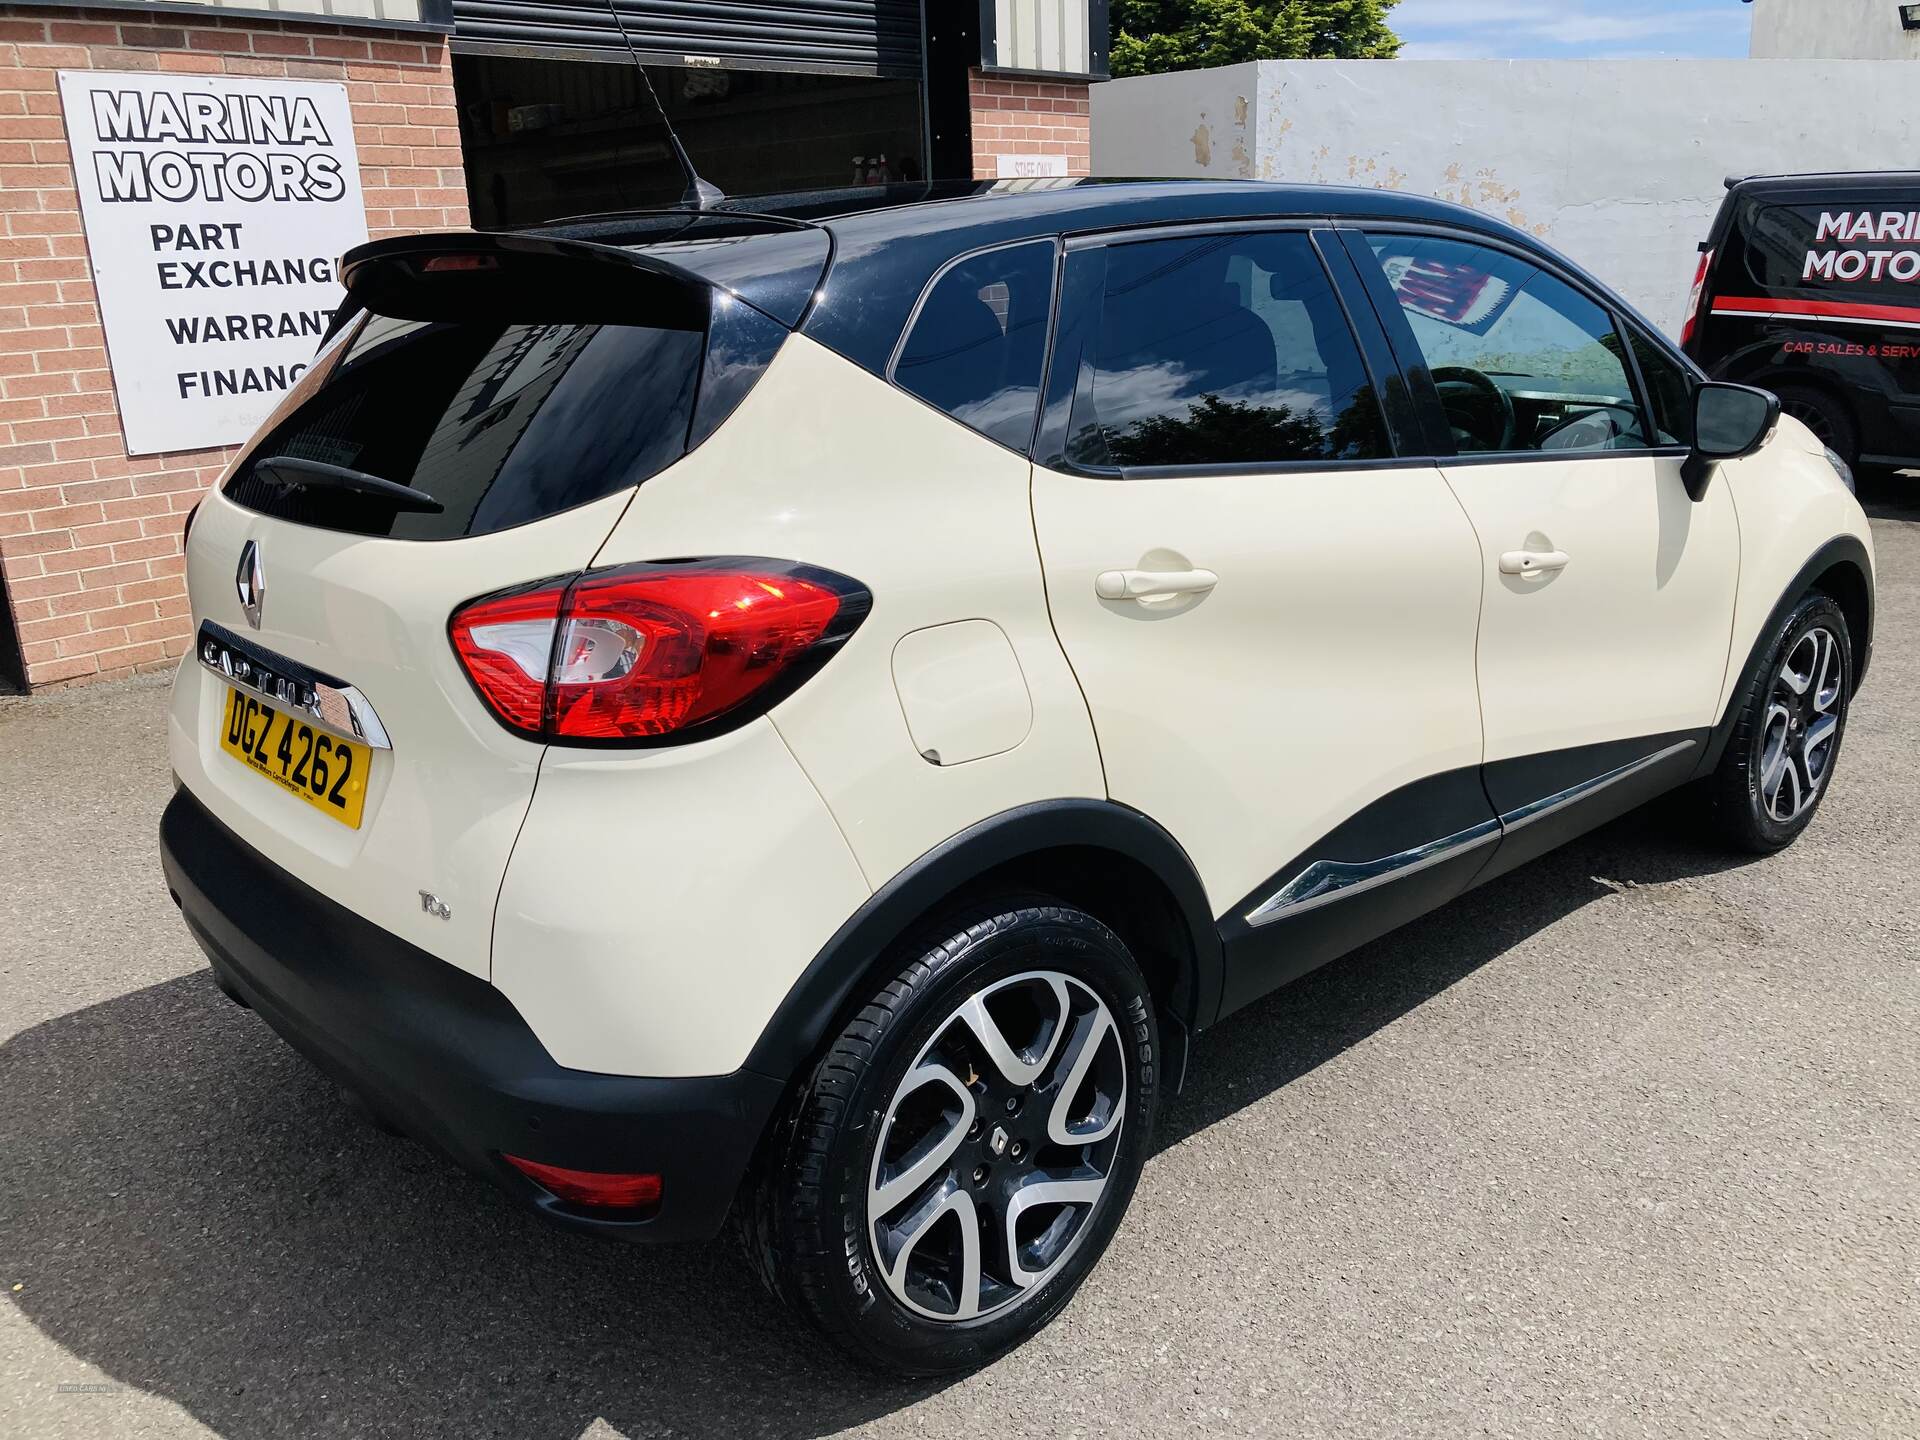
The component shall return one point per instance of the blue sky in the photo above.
(1570, 29)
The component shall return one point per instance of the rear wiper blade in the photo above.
(293, 474)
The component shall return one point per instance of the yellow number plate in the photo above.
(327, 772)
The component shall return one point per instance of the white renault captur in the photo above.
(803, 715)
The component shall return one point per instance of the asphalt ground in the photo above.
(1626, 1143)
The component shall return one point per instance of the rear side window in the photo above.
(502, 424)
(977, 344)
(1223, 350)
(1868, 247)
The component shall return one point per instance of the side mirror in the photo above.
(1730, 422)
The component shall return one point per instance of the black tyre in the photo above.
(956, 1163)
(1829, 419)
(1793, 718)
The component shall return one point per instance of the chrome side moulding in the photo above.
(1553, 804)
(1325, 881)
(325, 703)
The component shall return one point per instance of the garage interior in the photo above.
(560, 104)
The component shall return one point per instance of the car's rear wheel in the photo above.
(956, 1163)
(1826, 417)
(1779, 762)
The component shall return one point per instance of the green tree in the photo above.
(1151, 36)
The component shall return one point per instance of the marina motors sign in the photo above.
(1879, 232)
(216, 209)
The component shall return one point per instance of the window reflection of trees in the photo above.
(1221, 431)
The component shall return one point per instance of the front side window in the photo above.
(1524, 362)
(1223, 350)
(980, 339)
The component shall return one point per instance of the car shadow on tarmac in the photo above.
(195, 1212)
(1294, 1031)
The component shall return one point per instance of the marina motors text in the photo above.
(137, 119)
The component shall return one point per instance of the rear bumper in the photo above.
(443, 1055)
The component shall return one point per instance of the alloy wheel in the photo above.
(997, 1147)
(1801, 725)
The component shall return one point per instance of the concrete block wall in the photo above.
(1618, 163)
(89, 536)
(1832, 30)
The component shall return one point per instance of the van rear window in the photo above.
(500, 423)
(1869, 248)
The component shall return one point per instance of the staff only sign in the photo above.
(215, 209)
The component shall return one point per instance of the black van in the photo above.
(1809, 286)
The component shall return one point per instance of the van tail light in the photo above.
(653, 654)
(1696, 298)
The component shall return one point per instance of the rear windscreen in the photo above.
(500, 423)
(1871, 247)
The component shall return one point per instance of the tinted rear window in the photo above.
(503, 424)
(1223, 350)
(978, 344)
(1872, 247)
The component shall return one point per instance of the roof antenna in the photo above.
(700, 194)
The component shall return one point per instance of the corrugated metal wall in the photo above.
(866, 37)
(1053, 36)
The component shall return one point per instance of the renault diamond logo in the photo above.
(251, 581)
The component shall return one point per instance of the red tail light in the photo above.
(599, 1188)
(653, 653)
(1696, 298)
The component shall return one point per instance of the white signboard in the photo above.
(1030, 167)
(216, 209)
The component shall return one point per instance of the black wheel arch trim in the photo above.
(1842, 550)
(830, 985)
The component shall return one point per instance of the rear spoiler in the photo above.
(776, 268)
(519, 279)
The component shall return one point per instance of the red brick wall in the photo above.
(1028, 117)
(90, 537)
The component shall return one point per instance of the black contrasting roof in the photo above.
(1841, 188)
(883, 258)
(887, 241)
(1859, 181)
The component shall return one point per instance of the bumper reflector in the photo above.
(598, 1188)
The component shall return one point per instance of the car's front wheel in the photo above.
(956, 1163)
(1780, 760)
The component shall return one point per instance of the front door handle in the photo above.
(1153, 587)
(1534, 562)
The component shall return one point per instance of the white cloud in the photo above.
(1446, 50)
(1462, 29)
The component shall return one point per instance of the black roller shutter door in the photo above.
(862, 37)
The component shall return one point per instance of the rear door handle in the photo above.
(1153, 587)
(1534, 562)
